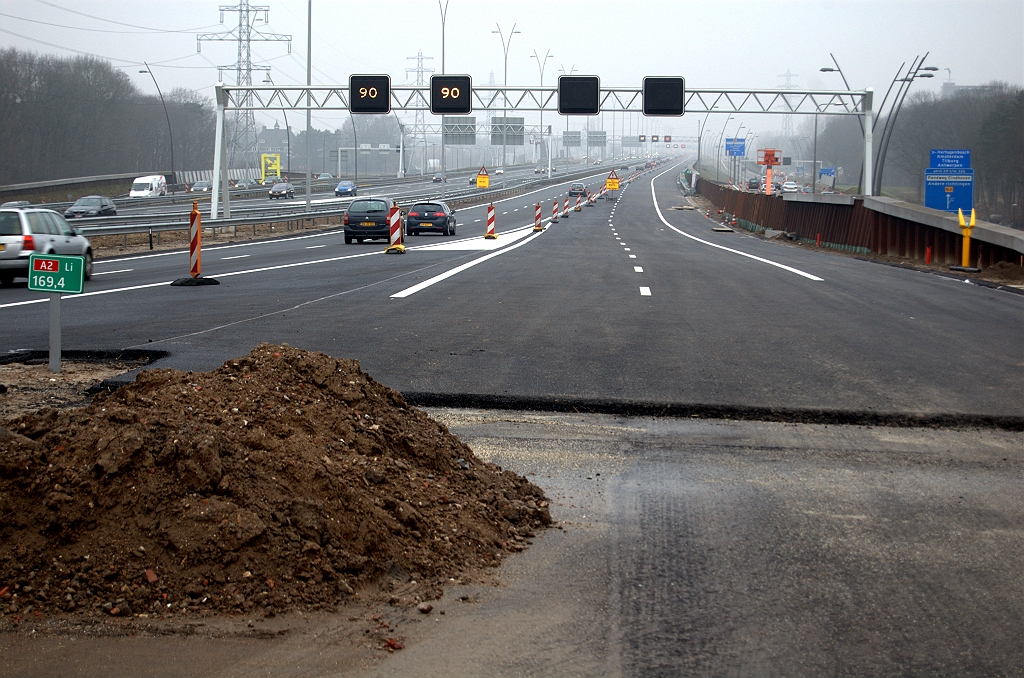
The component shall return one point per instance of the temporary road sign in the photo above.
(612, 182)
(949, 190)
(56, 273)
(483, 179)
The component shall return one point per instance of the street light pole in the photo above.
(837, 69)
(719, 148)
(572, 69)
(890, 124)
(541, 63)
(309, 110)
(734, 161)
(444, 17)
(168, 117)
(504, 92)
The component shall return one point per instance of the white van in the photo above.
(148, 187)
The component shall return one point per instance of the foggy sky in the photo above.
(710, 43)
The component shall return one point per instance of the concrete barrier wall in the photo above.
(868, 225)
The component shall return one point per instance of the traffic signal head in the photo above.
(664, 96)
(369, 93)
(579, 95)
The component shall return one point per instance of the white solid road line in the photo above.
(661, 216)
(459, 269)
(123, 270)
(238, 256)
(645, 291)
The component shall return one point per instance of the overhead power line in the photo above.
(120, 23)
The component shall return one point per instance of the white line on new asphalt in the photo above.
(638, 269)
(661, 216)
(632, 256)
(237, 256)
(315, 247)
(645, 291)
(123, 270)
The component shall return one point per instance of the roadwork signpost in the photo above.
(55, 274)
(612, 182)
(483, 179)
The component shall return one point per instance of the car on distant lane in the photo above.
(202, 187)
(790, 187)
(577, 188)
(437, 178)
(345, 188)
(282, 190)
(26, 231)
(91, 206)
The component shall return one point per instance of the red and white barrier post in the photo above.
(554, 212)
(579, 204)
(537, 226)
(195, 229)
(395, 227)
(565, 210)
(490, 234)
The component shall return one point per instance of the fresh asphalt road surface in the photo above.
(631, 301)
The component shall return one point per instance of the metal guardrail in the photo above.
(458, 198)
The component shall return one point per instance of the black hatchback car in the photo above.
(430, 216)
(284, 190)
(367, 219)
(91, 206)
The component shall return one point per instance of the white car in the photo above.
(790, 187)
(499, 171)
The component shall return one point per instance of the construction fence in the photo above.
(857, 224)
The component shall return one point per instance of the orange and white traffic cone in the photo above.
(554, 212)
(565, 210)
(490, 234)
(395, 227)
(537, 226)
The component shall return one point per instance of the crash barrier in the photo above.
(490, 234)
(868, 225)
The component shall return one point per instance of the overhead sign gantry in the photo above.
(574, 95)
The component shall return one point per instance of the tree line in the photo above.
(69, 117)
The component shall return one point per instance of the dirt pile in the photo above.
(1005, 272)
(282, 480)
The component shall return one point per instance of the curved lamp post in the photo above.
(170, 135)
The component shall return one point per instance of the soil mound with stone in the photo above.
(282, 480)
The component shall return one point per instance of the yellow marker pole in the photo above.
(965, 259)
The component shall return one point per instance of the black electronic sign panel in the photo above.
(664, 96)
(579, 95)
(668, 138)
(655, 138)
(643, 137)
(451, 94)
(369, 93)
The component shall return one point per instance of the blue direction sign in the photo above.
(735, 147)
(950, 158)
(949, 189)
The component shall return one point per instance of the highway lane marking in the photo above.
(459, 269)
(238, 256)
(123, 270)
(638, 269)
(625, 249)
(661, 216)
(645, 291)
(632, 256)
(315, 247)
(221, 247)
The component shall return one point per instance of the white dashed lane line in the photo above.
(632, 256)
(625, 249)
(315, 247)
(645, 291)
(638, 269)
(240, 256)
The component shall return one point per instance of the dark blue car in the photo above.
(345, 188)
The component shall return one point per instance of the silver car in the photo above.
(25, 231)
